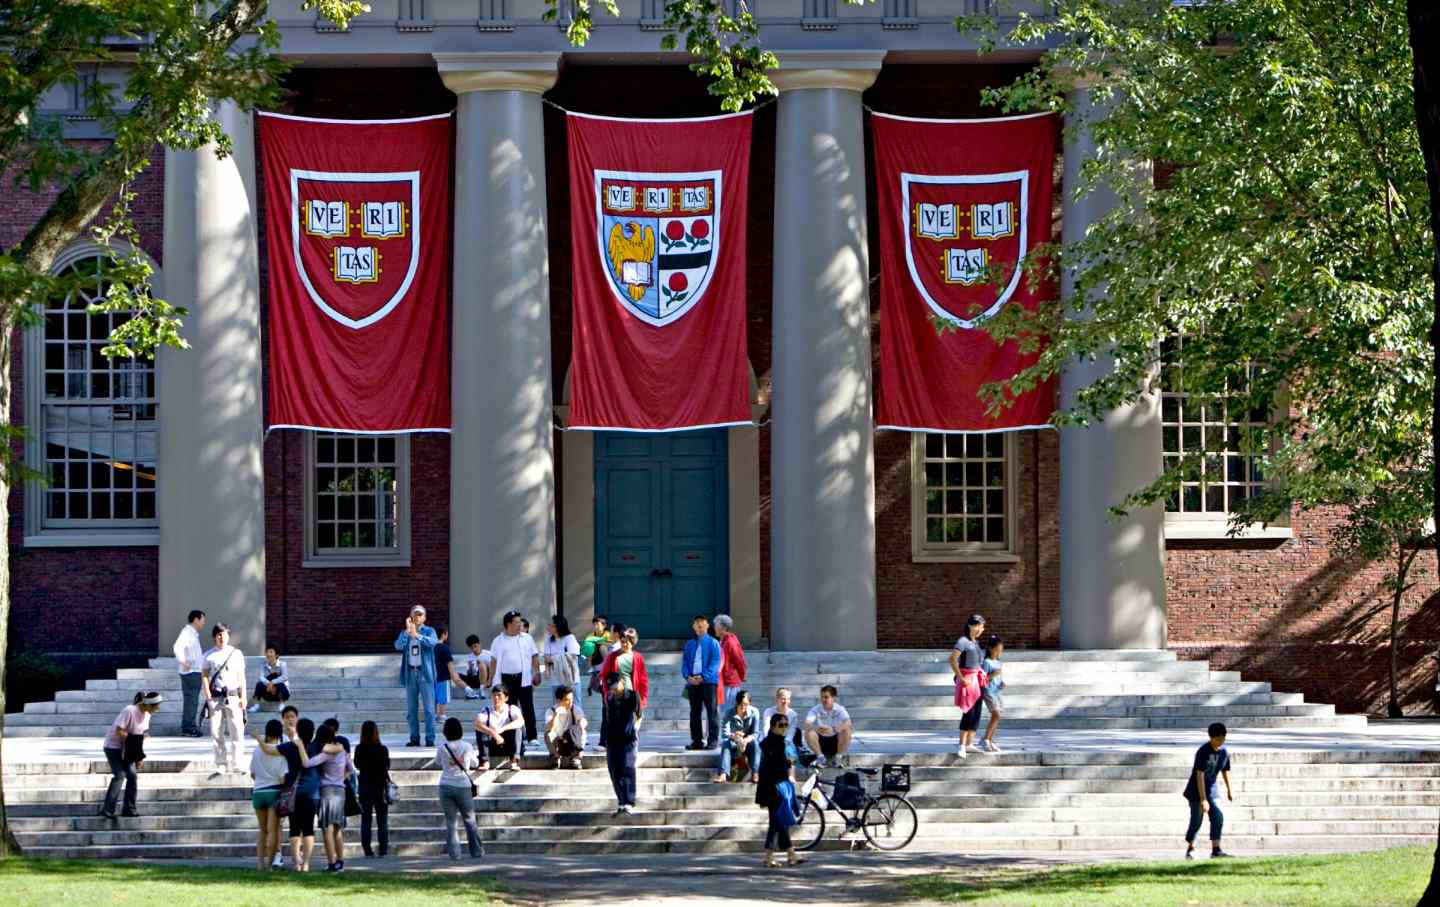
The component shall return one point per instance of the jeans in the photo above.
(458, 805)
(420, 693)
(777, 836)
(524, 697)
(727, 698)
(1217, 819)
(620, 760)
(120, 773)
(281, 694)
(190, 703)
(372, 804)
(702, 696)
(728, 749)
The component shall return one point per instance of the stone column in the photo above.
(502, 463)
(211, 484)
(1112, 573)
(822, 458)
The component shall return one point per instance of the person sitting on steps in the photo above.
(274, 682)
(828, 730)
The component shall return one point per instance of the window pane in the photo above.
(974, 446)
(994, 502)
(145, 505)
(955, 473)
(365, 450)
(385, 452)
(934, 475)
(934, 446)
(934, 530)
(995, 530)
(345, 450)
(933, 501)
(995, 446)
(974, 474)
(974, 502)
(954, 530)
(325, 535)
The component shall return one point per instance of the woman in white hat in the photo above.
(124, 751)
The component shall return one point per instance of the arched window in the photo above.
(93, 423)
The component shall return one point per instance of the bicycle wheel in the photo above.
(807, 832)
(890, 822)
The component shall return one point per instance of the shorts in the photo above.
(442, 692)
(265, 798)
(302, 820)
(829, 746)
(332, 807)
(995, 702)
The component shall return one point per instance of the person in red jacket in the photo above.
(630, 664)
(732, 661)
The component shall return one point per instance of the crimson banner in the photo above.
(657, 230)
(961, 203)
(357, 219)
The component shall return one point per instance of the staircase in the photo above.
(1062, 787)
(885, 691)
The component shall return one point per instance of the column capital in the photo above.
(498, 71)
(847, 70)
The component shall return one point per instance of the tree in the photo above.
(1388, 522)
(181, 59)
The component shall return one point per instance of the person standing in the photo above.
(700, 665)
(517, 661)
(455, 759)
(190, 661)
(1212, 764)
(965, 662)
(994, 694)
(224, 689)
(268, 771)
(335, 771)
(562, 653)
(592, 652)
(416, 645)
(732, 661)
(624, 712)
(629, 664)
(125, 755)
(444, 671)
(372, 760)
(777, 764)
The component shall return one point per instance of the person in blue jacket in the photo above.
(416, 645)
(700, 665)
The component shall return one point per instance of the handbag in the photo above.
(474, 788)
(133, 749)
(787, 814)
(286, 804)
(392, 791)
(352, 801)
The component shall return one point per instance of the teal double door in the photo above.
(661, 529)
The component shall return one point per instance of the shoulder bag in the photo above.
(474, 788)
(392, 791)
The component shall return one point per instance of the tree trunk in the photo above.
(1423, 17)
(8, 845)
(1402, 570)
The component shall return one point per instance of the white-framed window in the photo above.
(1214, 437)
(962, 496)
(93, 423)
(357, 500)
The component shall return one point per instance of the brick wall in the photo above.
(111, 592)
(1291, 613)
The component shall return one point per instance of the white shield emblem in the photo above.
(658, 235)
(958, 229)
(356, 240)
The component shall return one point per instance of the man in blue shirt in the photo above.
(416, 645)
(700, 666)
(1212, 764)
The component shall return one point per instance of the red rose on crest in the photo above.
(675, 230)
(700, 229)
(678, 282)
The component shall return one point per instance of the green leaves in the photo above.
(1284, 224)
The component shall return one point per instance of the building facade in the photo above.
(810, 528)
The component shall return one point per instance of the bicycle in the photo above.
(889, 821)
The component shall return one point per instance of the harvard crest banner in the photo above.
(657, 230)
(961, 203)
(357, 222)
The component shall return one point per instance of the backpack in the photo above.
(849, 791)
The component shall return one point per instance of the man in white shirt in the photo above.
(517, 665)
(224, 690)
(828, 729)
(190, 658)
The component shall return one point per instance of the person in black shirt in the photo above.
(444, 658)
(372, 758)
(1212, 763)
(623, 715)
(777, 763)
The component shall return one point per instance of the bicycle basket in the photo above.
(895, 778)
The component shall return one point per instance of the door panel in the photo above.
(661, 518)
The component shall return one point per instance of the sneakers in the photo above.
(278, 862)
(471, 694)
(988, 746)
(413, 741)
(961, 752)
(1190, 854)
(627, 809)
(842, 760)
(1218, 854)
(820, 762)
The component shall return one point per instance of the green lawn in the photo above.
(1377, 879)
(95, 883)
